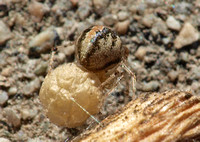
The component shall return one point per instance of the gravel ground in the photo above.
(162, 36)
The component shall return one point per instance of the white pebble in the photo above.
(4, 140)
(28, 113)
(3, 98)
(173, 24)
(12, 91)
(5, 33)
(44, 40)
(122, 15)
(187, 36)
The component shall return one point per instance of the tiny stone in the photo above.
(183, 7)
(68, 51)
(100, 6)
(133, 9)
(109, 20)
(84, 11)
(12, 117)
(153, 3)
(166, 40)
(7, 71)
(195, 86)
(151, 86)
(12, 91)
(43, 41)
(41, 68)
(122, 15)
(31, 87)
(173, 24)
(3, 97)
(161, 27)
(4, 140)
(173, 75)
(148, 20)
(122, 27)
(140, 53)
(34, 140)
(5, 33)
(37, 10)
(28, 89)
(187, 36)
(141, 8)
(28, 114)
(184, 56)
(195, 73)
(61, 57)
(154, 31)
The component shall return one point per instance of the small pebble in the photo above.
(140, 53)
(122, 15)
(4, 140)
(43, 41)
(109, 19)
(41, 68)
(141, 8)
(161, 27)
(84, 11)
(153, 3)
(3, 97)
(61, 57)
(74, 2)
(5, 33)
(12, 91)
(183, 7)
(181, 77)
(100, 6)
(195, 86)
(31, 87)
(12, 117)
(184, 56)
(151, 86)
(28, 89)
(28, 114)
(195, 73)
(166, 40)
(173, 24)
(34, 140)
(172, 75)
(148, 20)
(37, 10)
(7, 71)
(69, 50)
(122, 27)
(187, 36)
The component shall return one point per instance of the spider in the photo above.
(100, 58)
(100, 50)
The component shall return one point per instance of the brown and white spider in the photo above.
(100, 50)
(72, 92)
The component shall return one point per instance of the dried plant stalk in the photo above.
(169, 116)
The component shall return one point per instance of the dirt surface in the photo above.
(162, 36)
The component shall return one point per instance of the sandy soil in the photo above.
(162, 36)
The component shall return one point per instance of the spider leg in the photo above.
(117, 75)
(53, 51)
(133, 77)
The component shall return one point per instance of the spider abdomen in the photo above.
(99, 48)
